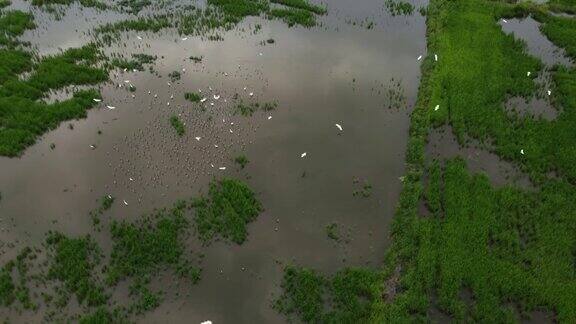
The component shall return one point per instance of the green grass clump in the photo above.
(85, 3)
(100, 316)
(192, 97)
(240, 8)
(136, 63)
(175, 76)
(142, 249)
(294, 16)
(5, 3)
(302, 4)
(73, 262)
(13, 24)
(177, 125)
(332, 232)
(241, 160)
(249, 109)
(399, 7)
(134, 6)
(227, 210)
(23, 117)
(11, 290)
(351, 296)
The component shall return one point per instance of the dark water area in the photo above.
(337, 73)
(538, 45)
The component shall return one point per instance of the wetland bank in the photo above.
(268, 161)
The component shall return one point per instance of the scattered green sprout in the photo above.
(241, 160)
(302, 4)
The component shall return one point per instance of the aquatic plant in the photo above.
(73, 262)
(293, 16)
(226, 211)
(399, 7)
(352, 295)
(241, 160)
(5, 3)
(177, 125)
(192, 97)
(302, 4)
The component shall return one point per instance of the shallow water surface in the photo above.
(336, 73)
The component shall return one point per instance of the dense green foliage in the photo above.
(23, 118)
(399, 7)
(141, 249)
(192, 97)
(16, 290)
(5, 3)
(227, 210)
(177, 125)
(293, 16)
(73, 262)
(352, 295)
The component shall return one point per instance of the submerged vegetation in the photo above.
(192, 97)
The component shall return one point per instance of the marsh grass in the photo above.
(399, 7)
(226, 211)
(302, 4)
(192, 97)
(24, 118)
(177, 125)
(293, 16)
(241, 160)
(350, 296)
(73, 262)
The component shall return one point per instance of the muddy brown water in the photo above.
(335, 73)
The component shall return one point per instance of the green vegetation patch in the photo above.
(302, 4)
(140, 250)
(5, 3)
(241, 160)
(350, 296)
(227, 210)
(399, 7)
(177, 125)
(85, 3)
(73, 262)
(192, 97)
(249, 109)
(134, 6)
(136, 63)
(293, 16)
(12, 290)
(23, 118)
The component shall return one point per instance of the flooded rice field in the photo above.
(340, 72)
(265, 161)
